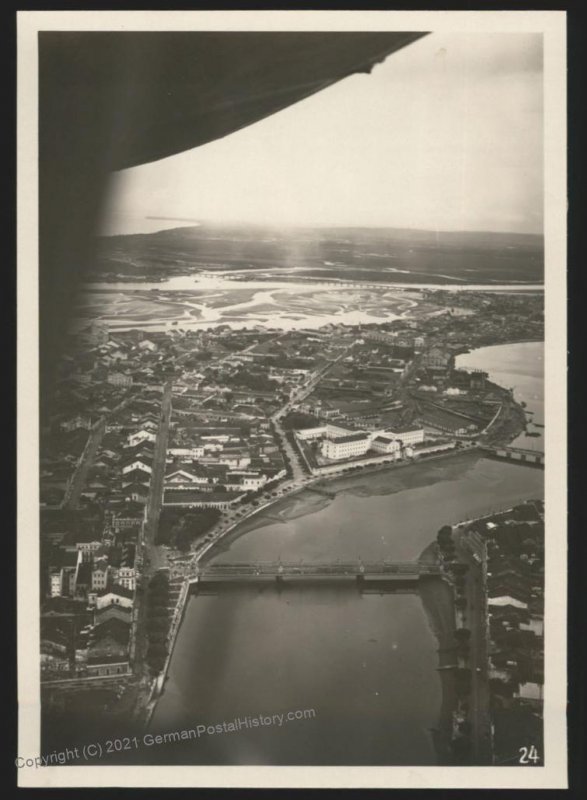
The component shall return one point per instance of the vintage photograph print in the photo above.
(292, 399)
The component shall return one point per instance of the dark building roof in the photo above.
(194, 469)
(130, 510)
(405, 429)
(84, 573)
(113, 611)
(132, 458)
(134, 485)
(64, 606)
(507, 590)
(128, 555)
(97, 660)
(115, 628)
(193, 496)
(117, 589)
(63, 558)
(82, 536)
(216, 470)
(352, 437)
(136, 476)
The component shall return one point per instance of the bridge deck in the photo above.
(381, 570)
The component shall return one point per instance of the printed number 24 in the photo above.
(529, 754)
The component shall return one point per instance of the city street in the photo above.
(79, 478)
(80, 475)
(158, 474)
(299, 474)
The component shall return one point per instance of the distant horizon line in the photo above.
(275, 225)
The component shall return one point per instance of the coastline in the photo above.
(515, 424)
(509, 341)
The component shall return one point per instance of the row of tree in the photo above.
(281, 444)
(178, 527)
(157, 601)
(461, 743)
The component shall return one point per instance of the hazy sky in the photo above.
(445, 134)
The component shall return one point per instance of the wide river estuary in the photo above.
(365, 663)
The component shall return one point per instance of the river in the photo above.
(521, 367)
(365, 663)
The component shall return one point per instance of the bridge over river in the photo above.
(264, 571)
(519, 454)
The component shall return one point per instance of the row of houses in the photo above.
(91, 581)
(214, 464)
(515, 602)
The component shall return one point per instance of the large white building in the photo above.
(231, 459)
(194, 451)
(100, 575)
(406, 436)
(247, 481)
(321, 431)
(127, 578)
(338, 443)
(180, 478)
(339, 447)
(385, 444)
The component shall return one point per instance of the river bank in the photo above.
(299, 513)
(438, 602)
(409, 500)
(517, 366)
(509, 422)
(260, 517)
(495, 341)
(297, 526)
(508, 426)
(397, 514)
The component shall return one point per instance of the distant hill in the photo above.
(370, 254)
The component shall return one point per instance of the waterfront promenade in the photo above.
(292, 486)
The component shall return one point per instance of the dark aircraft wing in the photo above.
(110, 100)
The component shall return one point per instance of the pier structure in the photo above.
(518, 454)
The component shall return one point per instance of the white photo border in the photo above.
(552, 24)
